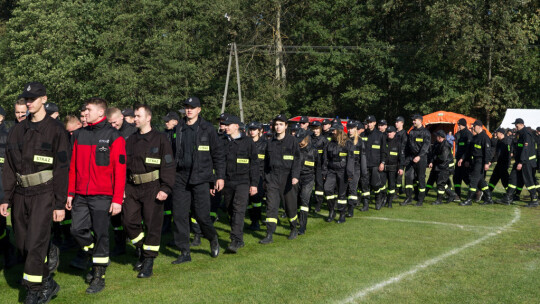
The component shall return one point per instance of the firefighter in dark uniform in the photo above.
(309, 158)
(416, 153)
(441, 163)
(319, 142)
(151, 173)
(360, 167)
(326, 125)
(338, 171)
(200, 160)
(6, 248)
(393, 168)
(525, 162)
(241, 178)
(463, 139)
(502, 156)
(171, 120)
(479, 153)
(281, 176)
(35, 179)
(97, 178)
(255, 131)
(376, 159)
(401, 136)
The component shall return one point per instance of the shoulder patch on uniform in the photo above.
(168, 158)
(154, 150)
(122, 159)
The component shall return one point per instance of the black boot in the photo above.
(365, 203)
(470, 198)
(478, 195)
(487, 198)
(452, 196)
(408, 200)
(214, 247)
(378, 201)
(140, 259)
(439, 199)
(421, 197)
(332, 212)
(390, 199)
(234, 246)
(508, 198)
(267, 239)
(182, 258)
(196, 240)
(147, 268)
(341, 219)
(350, 210)
(32, 297)
(98, 280)
(53, 257)
(119, 243)
(49, 290)
(534, 199)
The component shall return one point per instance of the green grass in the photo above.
(332, 262)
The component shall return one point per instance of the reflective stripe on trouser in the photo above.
(336, 183)
(280, 185)
(525, 175)
(32, 217)
(500, 173)
(305, 189)
(90, 224)
(461, 174)
(236, 197)
(477, 177)
(416, 171)
(141, 205)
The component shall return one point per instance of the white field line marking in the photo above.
(429, 222)
(362, 293)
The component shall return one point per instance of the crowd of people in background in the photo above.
(112, 168)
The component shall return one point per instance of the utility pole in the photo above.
(234, 51)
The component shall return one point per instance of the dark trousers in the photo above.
(319, 189)
(279, 187)
(142, 208)
(373, 180)
(255, 203)
(335, 189)
(478, 182)
(352, 188)
(32, 217)
(391, 177)
(90, 226)
(525, 176)
(442, 178)
(305, 188)
(188, 197)
(500, 173)
(417, 170)
(461, 174)
(236, 195)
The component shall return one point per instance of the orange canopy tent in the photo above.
(447, 121)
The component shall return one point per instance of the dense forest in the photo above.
(318, 57)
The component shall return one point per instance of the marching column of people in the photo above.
(118, 166)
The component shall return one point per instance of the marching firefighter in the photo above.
(416, 152)
(309, 158)
(479, 153)
(463, 140)
(360, 166)
(338, 171)
(393, 168)
(255, 201)
(375, 142)
(241, 178)
(97, 178)
(441, 162)
(525, 162)
(502, 156)
(150, 171)
(281, 175)
(401, 136)
(35, 179)
(319, 142)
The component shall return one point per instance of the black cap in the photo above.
(303, 119)
(316, 123)
(360, 125)
(371, 118)
(478, 123)
(518, 121)
(538, 129)
(222, 117)
(301, 134)
(383, 122)
(193, 101)
(2, 111)
(440, 133)
(462, 122)
(336, 126)
(326, 121)
(231, 119)
(33, 90)
(351, 124)
(417, 116)
(128, 112)
(391, 129)
(295, 127)
(170, 116)
(281, 117)
(242, 126)
(503, 131)
(400, 118)
(254, 125)
(51, 107)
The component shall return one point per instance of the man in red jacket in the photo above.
(97, 177)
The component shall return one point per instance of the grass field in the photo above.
(442, 254)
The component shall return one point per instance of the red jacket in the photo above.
(98, 162)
